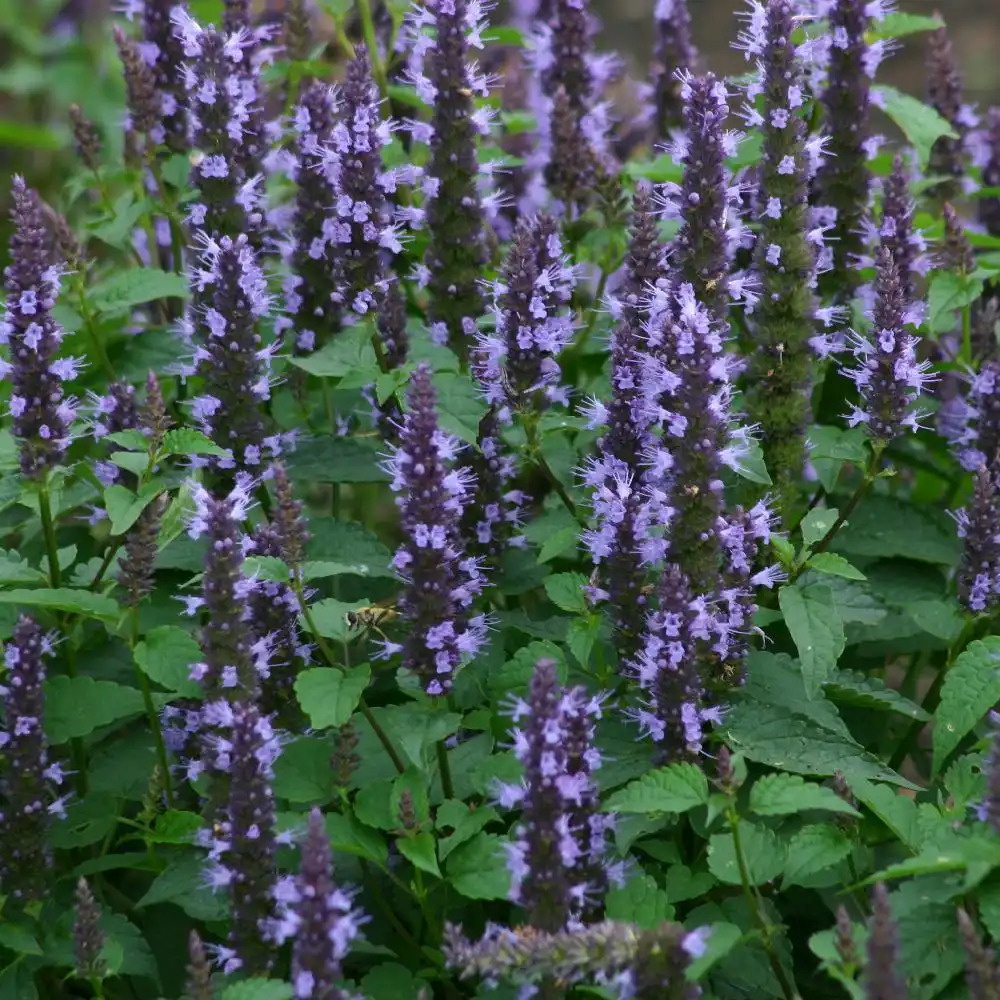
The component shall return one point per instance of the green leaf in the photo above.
(330, 617)
(129, 287)
(515, 675)
(763, 852)
(582, 636)
(337, 460)
(464, 821)
(175, 827)
(640, 901)
(348, 353)
(751, 464)
(478, 868)
(722, 938)
(817, 630)
(329, 697)
(853, 688)
(351, 837)
(971, 688)
(950, 292)
(182, 883)
(14, 569)
(460, 405)
(565, 591)
(302, 771)
(674, 789)
(392, 981)
(76, 706)
(830, 448)
(124, 506)
(788, 794)
(559, 542)
(921, 124)
(19, 939)
(166, 656)
(80, 602)
(258, 989)
(812, 849)
(897, 24)
(885, 526)
(419, 850)
(319, 569)
(817, 523)
(414, 730)
(834, 565)
(187, 441)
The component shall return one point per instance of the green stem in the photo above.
(368, 29)
(49, 531)
(87, 315)
(151, 714)
(602, 282)
(967, 334)
(447, 787)
(756, 912)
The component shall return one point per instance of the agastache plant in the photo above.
(673, 55)
(164, 54)
(456, 252)
(557, 863)
(883, 979)
(441, 578)
(979, 571)
(945, 93)
(989, 206)
(42, 413)
(28, 781)
(780, 369)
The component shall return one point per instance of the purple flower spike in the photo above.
(883, 979)
(242, 842)
(229, 356)
(441, 578)
(518, 368)
(27, 780)
(889, 377)
(320, 917)
(989, 208)
(989, 809)
(163, 52)
(982, 974)
(945, 92)
(897, 233)
(558, 865)
(979, 572)
(41, 411)
(673, 55)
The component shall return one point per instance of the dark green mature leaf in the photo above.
(640, 900)
(166, 656)
(565, 591)
(949, 293)
(460, 405)
(788, 794)
(124, 506)
(813, 849)
(329, 697)
(515, 674)
(337, 460)
(392, 981)
(419, 850)
(478, 868)
(349, 353)
(302, 771)
(76, 706)
(885, 526)
(764, 854)
(13, 570)
(852, 688)
(817, 630)
(133, 286)
(674, 789)
(188, 441)
(182, 883)
(971, 688)
(921, 124)
(351, 837)
(80, 602)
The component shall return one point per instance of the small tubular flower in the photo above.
(42, 412)
(889, 376)
(441, 579)
(163, 52)
(27, 779)
(945, 93)
(144, 103)
(674, 55)
(559, 870)
(979, 571)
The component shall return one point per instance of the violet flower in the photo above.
(989, 207)
(42, 413)
(242, 840)
(897, 233)
(441, 579)
(229, 356)
(320, 917)
(973, 427)
(780, 365)
(114, 411)
(945, 92)
(979, 571)
(883, 979)
(143, 101)
(164, 54)
(673, 55)
(456, 252)
(88, 938)
(517, 365)
(27, 780)
(889, 377)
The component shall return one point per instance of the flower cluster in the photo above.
(674, 55)
(558, 864)
(114, 411)
(27, 780)
(889, 376)
(454, 209)
(517, 365)
(41, 411)
(88, 937)
(883, 976)
(973, 424)
(163, 52)
(229, 356)
(989, 207)
(945, 94)
(441, 578)
(979, 572)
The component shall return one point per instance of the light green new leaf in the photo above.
(130, 287)
(817, 630)
(971, 688)
(788, 794)
(817, 523)
(329, 697)
(565, 591)
(478, 868)
(921, 124)
(674, 789)
(419, 851)
(187, 441)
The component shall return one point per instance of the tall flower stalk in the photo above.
(674, 55)
(945, 93)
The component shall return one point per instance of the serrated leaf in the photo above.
(640, 901)
(464, 822)
(478, 868)
(351, 837)
(124, 506)
(80, 602)
(817, 523)
(76, 706)
(348, 353)
(132, 286)
(971, 688)
(329, 697)
(415, 730)
(897, 24)
(817, 630)
(516, 673)
(182, 883)
(175, 827)
(320, 569)
(166, 656)
(886, 526)
(392, 981)
(566, 591)
(337, 460)
(788, 794)
(558, 542)
(950, 292)
(187, 441)
(302, 772)
(763, 852)
(673, 789)
(19, 939)
(419, 850)
(921, 124)
(582, 636)
(853, 688)
(834, 565)
(460, 405)
(15, 570)
(720, 939)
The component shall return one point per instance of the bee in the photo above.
(371, 618)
